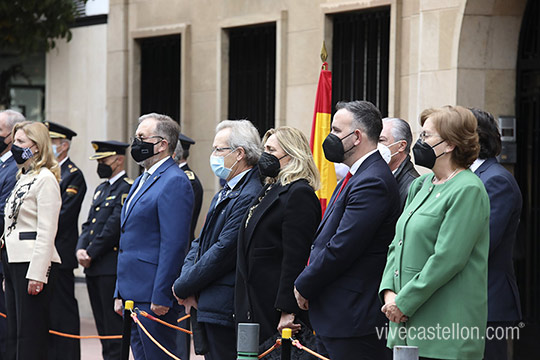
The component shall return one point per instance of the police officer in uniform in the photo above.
(64, 310)
(181, 154)
(97, 249)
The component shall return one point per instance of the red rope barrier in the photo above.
(136, 320)
(272, 348)
(148, 316)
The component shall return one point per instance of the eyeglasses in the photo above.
(143, 138)
(424, 136)
(220, 149)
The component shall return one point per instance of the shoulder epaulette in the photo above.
(190, 174)
(128, 180)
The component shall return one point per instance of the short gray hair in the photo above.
(244, 135)
(178, 151)
(401, 130)
(13, 117)
(366, 117)
(165, 127)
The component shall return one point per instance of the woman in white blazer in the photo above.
(28, 251)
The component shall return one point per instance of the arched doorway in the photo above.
(527, 173)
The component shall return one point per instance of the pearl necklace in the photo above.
(442, 181)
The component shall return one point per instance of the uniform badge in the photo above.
(124, 197)
(190, 174)
(72, 189)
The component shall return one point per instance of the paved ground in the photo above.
(91, 348)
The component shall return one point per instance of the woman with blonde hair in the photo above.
(31, 219)
(436, 269)
(276, 235)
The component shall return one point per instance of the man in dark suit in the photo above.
(208, 275)
(64, 310)
(505, 200)
(181, 153)
(8, 173)
(97, 249)
(154, 233)
(340, 284)
(397, 136)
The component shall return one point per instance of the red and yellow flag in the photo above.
(320, 128)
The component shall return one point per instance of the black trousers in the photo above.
(497, 349)
(221, 342)
(3, 322)
(101, 294)
(64, 317)
(367, 347)
(27, 315)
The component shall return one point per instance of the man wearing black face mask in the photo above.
(340, 284)
(97, 249)
(8, 172)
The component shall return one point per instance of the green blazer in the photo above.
(437, 266)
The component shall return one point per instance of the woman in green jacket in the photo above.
(434, 286)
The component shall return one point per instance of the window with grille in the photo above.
(252, 74)
(360, 57)
(160, 75)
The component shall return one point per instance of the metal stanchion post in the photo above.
(247, 346)
(286, 335)
(126, 330)
(405, 352)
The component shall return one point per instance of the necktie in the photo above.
(223, 193)
(347, 177)
(145, 176)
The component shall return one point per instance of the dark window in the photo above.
(160, 76)
(252, 74)
(360, 57)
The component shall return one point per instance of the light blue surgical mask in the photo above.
(217, 163)
(55, 150)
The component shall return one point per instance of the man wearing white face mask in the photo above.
(396, 135)
(208, 276)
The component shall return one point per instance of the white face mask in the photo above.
(385, 152)
(394, 143)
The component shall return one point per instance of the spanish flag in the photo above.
(320, 128)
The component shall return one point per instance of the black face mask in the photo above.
(104, 171)
(424, 155)
(333, 148)
(21, 154)
(3, 145)
(142, 150)
(269, 165)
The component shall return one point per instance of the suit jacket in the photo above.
(100, 233)
(437, 266)
(349, 253)
(73, 189)
(272, 251)
(31, 220)
(405, 174)
(154, 233)
(210, 266)
(8, 178)
(198, 196)
(505, 202)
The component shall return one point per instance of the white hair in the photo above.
(244, 135)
